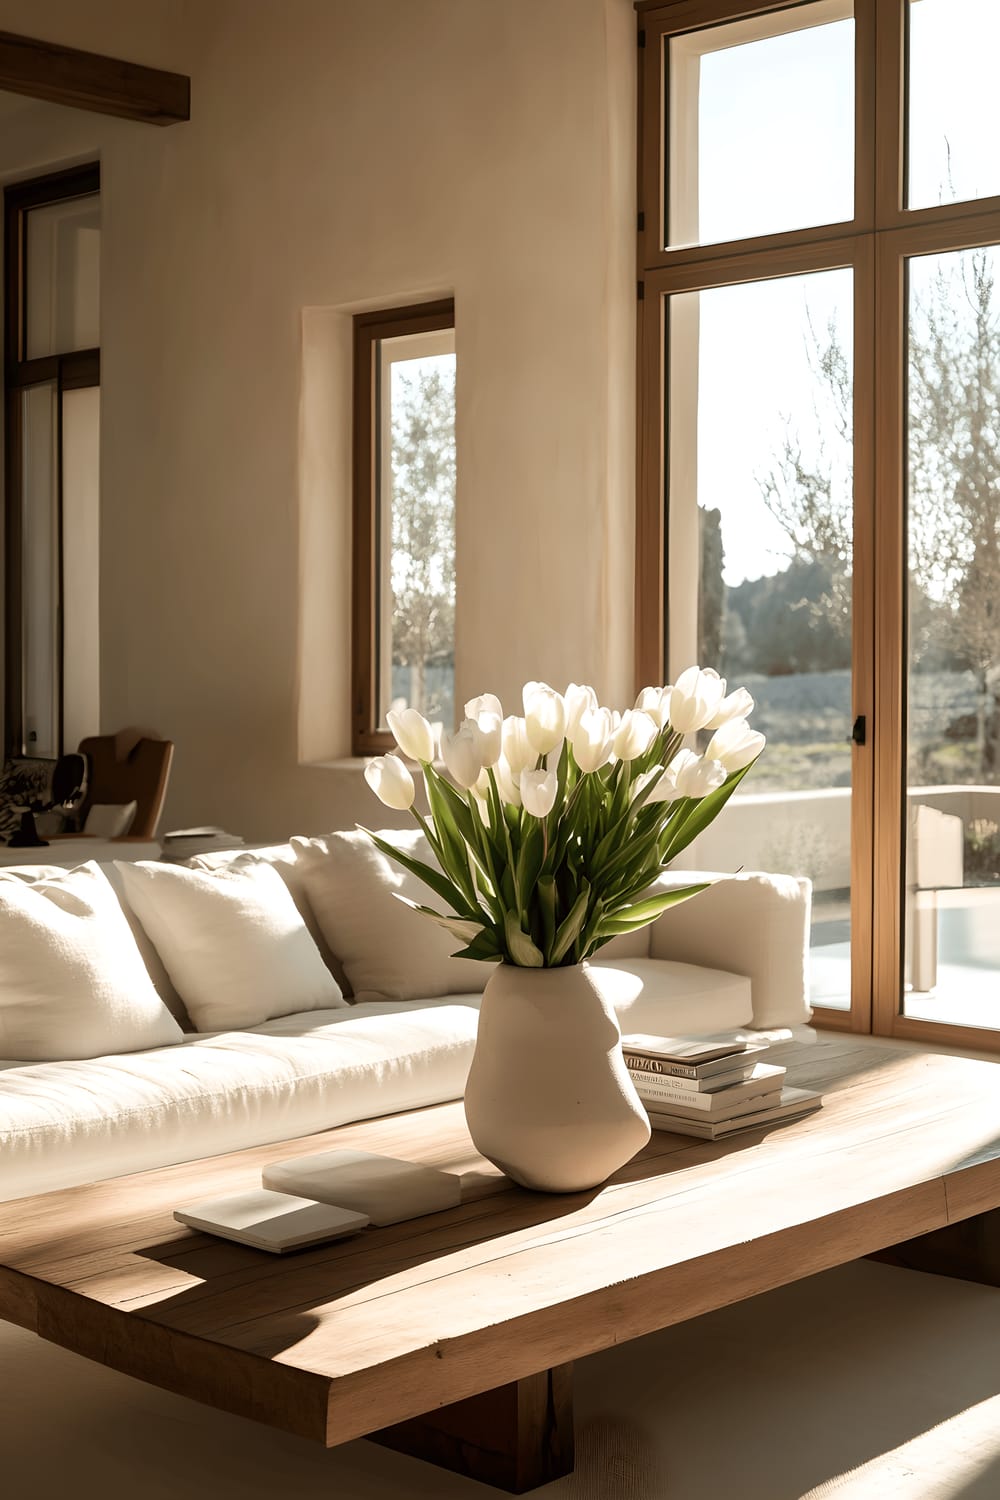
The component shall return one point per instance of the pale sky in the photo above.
(788, 102)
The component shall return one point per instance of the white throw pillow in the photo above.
(72, 981)
(288, 863)
(233, 943)
(110, 820)
(389, 952)
(32, 874)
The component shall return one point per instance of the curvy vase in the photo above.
(549, 1099)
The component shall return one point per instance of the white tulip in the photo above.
(517, 751)
(578, 700)
(507, 783)
(412, 733)
(655, 702)
(544, 716)
(390, 781)
(642, 782)
(738, 704)
(538, 792)
(487, 726)
(694, 698)
(634, 735)
(688, 775)
(486, 703)
(699, 776)
(460, 753)
(735, 745)
(592, 739)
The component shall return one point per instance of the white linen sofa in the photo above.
(733, 957)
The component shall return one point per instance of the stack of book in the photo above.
(711, 1086)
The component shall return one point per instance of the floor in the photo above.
(864, 1383)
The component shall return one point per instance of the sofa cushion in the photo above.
(760, 922)
(72, 981)
(389, 951)
(665, 998)
(31, 874)
(232, 941)
(110, 820)
(67, 1123)
(289, 860)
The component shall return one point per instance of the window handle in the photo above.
(859, 734)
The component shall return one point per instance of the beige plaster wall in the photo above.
(342, 155)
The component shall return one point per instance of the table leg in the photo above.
(969, 1249)
(515, 1437)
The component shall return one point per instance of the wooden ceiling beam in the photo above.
(87, 80)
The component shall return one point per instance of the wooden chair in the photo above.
(130, 766)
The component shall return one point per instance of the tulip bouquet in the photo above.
(554, 825)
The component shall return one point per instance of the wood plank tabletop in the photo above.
(337, 1341)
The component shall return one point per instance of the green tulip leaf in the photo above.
(522, 950)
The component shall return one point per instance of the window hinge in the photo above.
(640, 290)
(640, 222)
(642, 38)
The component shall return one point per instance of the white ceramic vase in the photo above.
(549, 1099)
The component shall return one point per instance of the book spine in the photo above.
(689, 1086)
(655, 1067)
(662, 1093)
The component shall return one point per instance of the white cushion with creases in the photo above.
(665, 998)
(389, 952)
(72, 1122)
(290, 862)
(31, 874)
(233, 943)
(110, 820)
(755, 923)
(72, 981)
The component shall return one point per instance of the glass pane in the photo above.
(951, 147)
(416, 541)
(81, 417)
(760, 124)
(63, 277)
(953, 764)
(40, 571)
(759, 576)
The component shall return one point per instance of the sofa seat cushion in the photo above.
(665, 998)
(66, 1123)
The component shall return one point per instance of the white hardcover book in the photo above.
(764, 1080)
(791, 1104)
(689, 1049)
(706, 1083)
(645, 1062)
(384, 1188)
(276, 1222)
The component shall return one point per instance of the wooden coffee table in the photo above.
(452, 1336)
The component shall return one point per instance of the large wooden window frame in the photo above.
(876, 243)
(369, 555)
(69, 371)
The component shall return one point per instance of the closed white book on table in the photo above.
(789, 1106)
(705, 1083)
(644, 1060)
(689, 1049)
(276, 1222)
(764, 1081)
